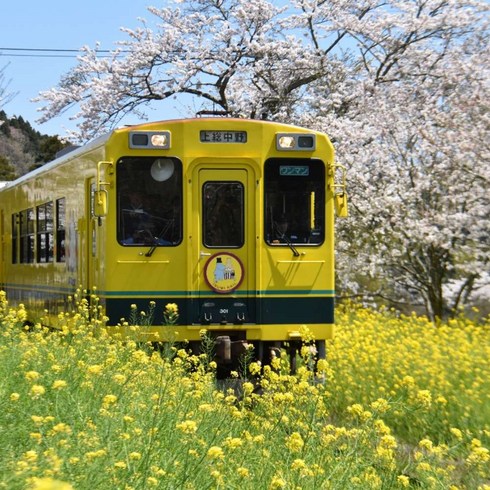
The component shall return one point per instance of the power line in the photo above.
(37, 55)
(52, 50)
(48, 52)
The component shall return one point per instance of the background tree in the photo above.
(24, 147)
(7, 171)
(400, 85)
(5, 95)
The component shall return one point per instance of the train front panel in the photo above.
(230, 220)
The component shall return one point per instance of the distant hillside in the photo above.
(22, 148)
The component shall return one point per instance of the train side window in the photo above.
(45, 232)
(149, 201)
(27, 236)
(60, 229)
(294, 201)
(15, 236)
(223, 214)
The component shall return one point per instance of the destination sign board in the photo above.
(223, 136)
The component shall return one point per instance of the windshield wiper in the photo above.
(290, 245)
(152, 248)
(284, 237)
(156, 239)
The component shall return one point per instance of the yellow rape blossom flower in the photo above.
(172, 308)
(298, 464)
(37, 436)
(456, 433)
(243, 472)
(479, 455)
(254, 368)
(37, 420)
(248, 388)
(37, 391)
(277, 482)
(356, 409)
(403, 480)
(295, 442)
(233, 442)
(187, 427)
(95, 369)
(109, 400)
(215, 452)
(380, 405)
(119, 379)
(32, 375)
(90, 455)
(30, 456)
(49, 484)
(59, 384)
(62, 428)
(426, 444)
(424, 398)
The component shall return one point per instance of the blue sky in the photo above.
(61, 24)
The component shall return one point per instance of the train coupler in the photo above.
(227, 350)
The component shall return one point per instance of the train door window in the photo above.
(294, 201)
(27, 236)
(149, 201)
(93, 228)
(45, 232)
(223, 214)
(60, 229)
(15, 236)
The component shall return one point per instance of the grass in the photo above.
(398, 403)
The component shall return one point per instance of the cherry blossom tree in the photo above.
(400, 85)
(414, 136)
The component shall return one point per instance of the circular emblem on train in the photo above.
(223, 272)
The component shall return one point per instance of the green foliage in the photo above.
(6, 170)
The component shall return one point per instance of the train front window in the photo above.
(149, 201)
(294, 201)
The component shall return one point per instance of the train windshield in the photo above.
(149, 201)
(294, 201)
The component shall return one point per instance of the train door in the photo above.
(2, 247)
(91, 251)
(226, 245)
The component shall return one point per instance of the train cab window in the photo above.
(223, 214)
(15, 236)
(60, 229)
(294, 201)
(27, 236)
(45, 232)
(149, 201)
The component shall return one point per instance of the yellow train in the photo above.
(231, 220)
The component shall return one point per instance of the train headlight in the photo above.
(285, 143)
(150, 139)
(295, 142)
